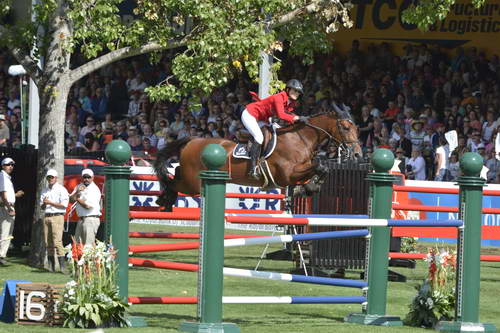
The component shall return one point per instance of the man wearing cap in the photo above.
(7, 211)
(4, 132)
(88, 207)
(53, 201)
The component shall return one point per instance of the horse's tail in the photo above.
(161, 163)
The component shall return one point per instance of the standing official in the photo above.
(7, 210)
(54, 200)
(88, 198)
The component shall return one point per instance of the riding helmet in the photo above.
(295, 84)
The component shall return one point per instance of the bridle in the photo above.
(343, 146)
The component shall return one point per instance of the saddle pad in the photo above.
(241, 151)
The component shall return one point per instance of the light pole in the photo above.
(18, 70)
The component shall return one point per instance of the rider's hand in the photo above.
(302, 119)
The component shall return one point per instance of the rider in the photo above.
(280, 105)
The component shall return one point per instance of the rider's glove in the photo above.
(303, 119)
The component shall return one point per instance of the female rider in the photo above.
(280, 105)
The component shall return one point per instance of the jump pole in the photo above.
(117, 187)
(211, 255)
(379, 207)
(468, 250)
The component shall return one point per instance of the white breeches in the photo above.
(252, 126)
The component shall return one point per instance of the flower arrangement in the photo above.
(435, 299)
(91, 298)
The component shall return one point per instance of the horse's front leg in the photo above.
(320, 172)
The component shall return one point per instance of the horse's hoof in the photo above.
(310, 189)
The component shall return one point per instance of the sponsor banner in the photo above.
(194, 202)
(451, 200)
(377, 21)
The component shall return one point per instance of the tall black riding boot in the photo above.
(254, 155)
(52, 263)
(62, 263)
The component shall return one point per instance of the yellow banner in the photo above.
(377, 21)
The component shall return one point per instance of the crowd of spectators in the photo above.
(403, 103)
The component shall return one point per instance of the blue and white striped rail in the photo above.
(288, 219)
(293, 300)
(294, 278)
(295, 238)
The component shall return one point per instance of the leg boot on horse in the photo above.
(255, 152)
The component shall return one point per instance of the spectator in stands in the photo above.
(133, 106)
(442, 172)
(415, 165)
(148, 148)
(134, 140)
(4, 132)
(177, 124)
(13, 100)
(417, 134)
(148, 133)
(90, 143)
(99, 103)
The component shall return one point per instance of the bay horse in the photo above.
(291, 162)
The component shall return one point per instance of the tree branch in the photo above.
(127, 52)
(288, 17)
(113, 56)
(29, 64)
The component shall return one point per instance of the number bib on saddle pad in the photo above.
(241, 149)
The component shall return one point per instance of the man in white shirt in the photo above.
(88, 198)
(7, 210)
(442, 160)
(53, 201)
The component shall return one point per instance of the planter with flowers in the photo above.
(91, 298)
(435, 299)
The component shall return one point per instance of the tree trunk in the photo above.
(50, 154)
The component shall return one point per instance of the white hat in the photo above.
(8, 160)
(2, 117)
(52, 172)
(87, 172)
(481, 146)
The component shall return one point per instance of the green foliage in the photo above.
(425, 13)
(91, 299)
(408, 244)
(215, 40)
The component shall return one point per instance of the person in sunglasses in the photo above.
(88, 207)
(7, 211)
(53, 201)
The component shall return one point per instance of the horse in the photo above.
(291, 162)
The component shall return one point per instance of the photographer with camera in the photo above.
(415, 165)
(88, 207)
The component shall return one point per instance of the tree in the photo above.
(425, 13)
(224, 37)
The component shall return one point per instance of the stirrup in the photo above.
(254, 173)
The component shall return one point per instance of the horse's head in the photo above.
(343, 131)
(347, 134)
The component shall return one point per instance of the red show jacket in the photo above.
(275, 105)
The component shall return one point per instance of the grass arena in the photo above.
(159, 245)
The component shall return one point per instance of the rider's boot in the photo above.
(254, 157)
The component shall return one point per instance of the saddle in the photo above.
(242, 148)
